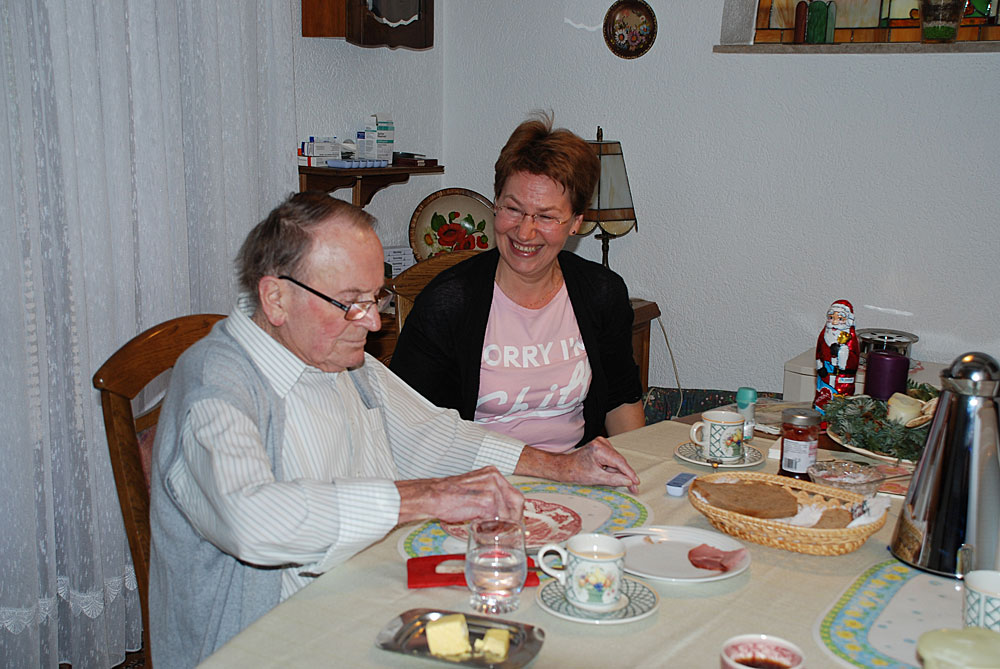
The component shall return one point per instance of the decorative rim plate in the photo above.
(691, 452)
(629, 28)
(451, 219)
(603, 510)
(544, 523)
(642, 603)
(877, 620)
(662, 554)
(863, 451)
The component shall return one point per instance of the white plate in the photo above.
(662, 553)
(642, 603)
(691, 452)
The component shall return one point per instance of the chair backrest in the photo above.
(130, 369)
(412, 280)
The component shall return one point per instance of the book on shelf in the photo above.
(414, 162)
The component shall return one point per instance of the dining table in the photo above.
(829, 606)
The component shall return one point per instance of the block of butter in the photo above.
(494, 645)
(448, 636)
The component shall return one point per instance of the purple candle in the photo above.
(886, 374)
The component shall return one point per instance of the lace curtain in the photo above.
(139, 141)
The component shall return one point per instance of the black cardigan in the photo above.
(440, 348)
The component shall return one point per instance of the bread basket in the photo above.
(772, 533)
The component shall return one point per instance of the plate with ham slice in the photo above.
(683, 554)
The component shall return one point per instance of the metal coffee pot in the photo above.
(950, 520)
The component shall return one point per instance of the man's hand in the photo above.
(484, 493)
(596, 463)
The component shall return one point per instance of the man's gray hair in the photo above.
(279, 244)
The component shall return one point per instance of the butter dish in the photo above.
(406, 634)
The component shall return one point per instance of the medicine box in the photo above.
(329, 149)
(367, 144)
(385, 135)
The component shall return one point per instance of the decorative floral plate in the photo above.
(544, 523)
(452, 219)
(600, 509)
(629, 28)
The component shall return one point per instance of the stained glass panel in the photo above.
(870, 21)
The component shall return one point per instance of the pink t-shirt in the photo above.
(534, 373)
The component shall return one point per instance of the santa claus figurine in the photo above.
(837, 355)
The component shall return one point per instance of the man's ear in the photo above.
(272, 297)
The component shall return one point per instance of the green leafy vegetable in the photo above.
(861, 421)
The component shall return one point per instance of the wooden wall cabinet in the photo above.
(352, 20)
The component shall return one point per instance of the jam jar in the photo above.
(799, 441)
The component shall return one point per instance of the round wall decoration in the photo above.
(629, 28)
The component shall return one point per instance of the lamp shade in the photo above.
(611, 208)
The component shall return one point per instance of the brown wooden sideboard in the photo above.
(381, 344)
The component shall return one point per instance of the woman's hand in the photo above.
(596, 463)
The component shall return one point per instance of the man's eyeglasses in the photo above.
(515, 215)
(354, 311)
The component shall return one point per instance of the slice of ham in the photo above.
(709, 557)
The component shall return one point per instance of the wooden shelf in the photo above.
(860, 48)
(364, 181)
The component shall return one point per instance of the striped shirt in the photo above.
(339, 461)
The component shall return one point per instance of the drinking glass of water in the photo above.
(495, 565)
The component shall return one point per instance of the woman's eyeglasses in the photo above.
(354, 311)
(514, 215)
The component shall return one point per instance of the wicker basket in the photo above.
(782, 535)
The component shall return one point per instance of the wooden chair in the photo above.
(408, 284)
(130, 369)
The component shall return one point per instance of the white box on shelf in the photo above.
(400, 257)
(799, 384)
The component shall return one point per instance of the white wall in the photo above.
(337, 85)
(766, 186)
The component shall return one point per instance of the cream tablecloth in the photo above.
(334, 621)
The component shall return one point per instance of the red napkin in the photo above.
(420, 572)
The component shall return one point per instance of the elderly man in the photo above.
(282, 449)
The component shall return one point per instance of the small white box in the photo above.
(367, 145)
(331, 149)
(799, 383)
(400, 257)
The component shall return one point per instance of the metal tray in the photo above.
(406, 634)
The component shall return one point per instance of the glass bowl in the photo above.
(853, 476)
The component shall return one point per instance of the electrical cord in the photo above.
(673, 363)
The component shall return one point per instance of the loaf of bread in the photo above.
(751, 498)
(834, 519)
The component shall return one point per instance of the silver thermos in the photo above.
(950, 520)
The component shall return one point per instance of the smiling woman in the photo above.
(528, 339)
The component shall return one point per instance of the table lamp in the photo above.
(611, 208)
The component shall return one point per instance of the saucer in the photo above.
(691, 452)
(640, 602)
